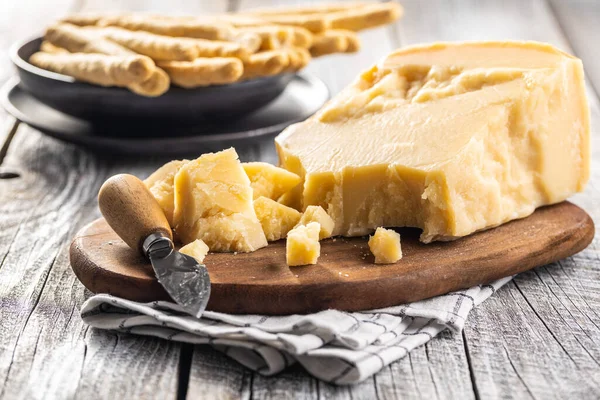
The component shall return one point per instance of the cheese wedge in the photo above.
(317, 214)
(276, 219)
(302, 246)
(451, 138)
(197, 249)
(160, 184)
(269, 181)
(213, 202)
(385, 246)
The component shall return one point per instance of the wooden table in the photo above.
(538, 337)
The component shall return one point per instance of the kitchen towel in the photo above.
(335, 346)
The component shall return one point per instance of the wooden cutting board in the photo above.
(345, 277)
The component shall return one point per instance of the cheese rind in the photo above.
(268, 180)
(197, 249)
(385, 246)
(302, 246)
(275, 218)
(451, 138)
(318, 214)
(160, 184)
(213, 202)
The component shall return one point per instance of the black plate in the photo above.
(93, 102)
(303, 96)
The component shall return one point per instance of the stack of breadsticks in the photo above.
(146, 53)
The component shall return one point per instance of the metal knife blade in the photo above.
(183, 277)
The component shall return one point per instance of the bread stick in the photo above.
(272, 36)
(157, 84)
(178, 27)
(313, 22)
(368, 16)
(157, 47)
(313, 9)
(100, 69)
(80, 40)
(247, 40)
(266, 63)
(203, 71)
(301, 37)
(353, 42)
(298, 58)
(83, 19)
(329, 42)
(48, 47)
(218, 48)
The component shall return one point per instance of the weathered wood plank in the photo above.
(537, 337)
(45, 344)
(46, 351)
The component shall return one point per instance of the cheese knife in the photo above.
(135, 215)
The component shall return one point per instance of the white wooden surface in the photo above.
(539, 337)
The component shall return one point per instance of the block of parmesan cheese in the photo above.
(213, 202)
(451, 138)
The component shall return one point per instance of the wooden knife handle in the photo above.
(131, 210)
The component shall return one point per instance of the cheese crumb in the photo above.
(385, 246)
(318, 214)
(275, 218)
(197, 249)
(303, 247)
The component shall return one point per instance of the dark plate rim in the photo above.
(12, 84)
(25, 65)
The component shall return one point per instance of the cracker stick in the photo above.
(217, 48)
(266, 63)
(313, 9)
(301, 37)
(298, 59)
(157, 47)
(313, 22)
(247, 40)
(83, 19)
(353, 42)
(366, 17)
(48, 47)
(80, 40)
(100, 69)
(272, 36)
(329, 42)
(179, 27)
(156, 85)
(203, 71)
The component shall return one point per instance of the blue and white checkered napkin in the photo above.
(334, 346)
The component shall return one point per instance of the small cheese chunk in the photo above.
(451, 138)
(270, 181)
(197, 249)
(385, 246)
(317, 214)
(213, 202)
(302, 246)
(160, 184)
(276, 219)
